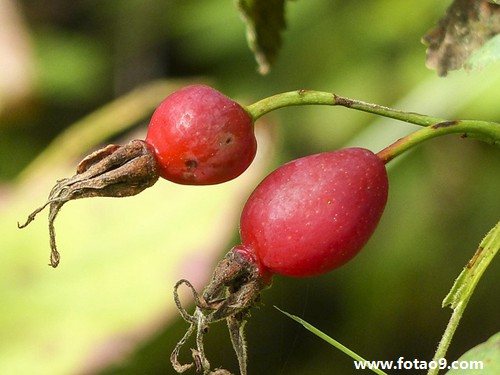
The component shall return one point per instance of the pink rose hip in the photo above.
(314, 214)
(200, 137)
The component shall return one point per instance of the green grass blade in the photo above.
(330, 340)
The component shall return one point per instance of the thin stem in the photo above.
(483, 130)
(487, 131)
(448, 333)
(312, 97)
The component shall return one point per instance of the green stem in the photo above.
(486, 131)
(434, 126)
(312, 97)
(448, 333)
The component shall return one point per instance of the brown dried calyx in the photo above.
(233, 290)
(112, 171)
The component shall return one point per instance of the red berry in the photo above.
(200, 137)
(315, 213)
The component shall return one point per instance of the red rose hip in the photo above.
(196, 136)
(315, 213)
(200, 137)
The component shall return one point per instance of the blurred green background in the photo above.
(108, 309)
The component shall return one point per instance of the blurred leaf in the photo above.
(120, 260)
(488, 353)
(265, 20)
(69, 67)
(466, 26)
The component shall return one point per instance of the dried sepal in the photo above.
(236, 325)
(113, 171)
(234, 288)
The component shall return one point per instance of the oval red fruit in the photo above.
(315, 213)
(200, 137)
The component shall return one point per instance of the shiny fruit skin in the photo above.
(201, 137)
(315, 213)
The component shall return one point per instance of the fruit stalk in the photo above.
(483, 130)
(487, 131)
(313, 97)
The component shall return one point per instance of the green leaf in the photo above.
(486, 354)
(265, 20)
(467, 280)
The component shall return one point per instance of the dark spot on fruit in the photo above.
(191, 164)
(226, 139)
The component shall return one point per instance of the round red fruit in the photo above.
(315, 213)
(200, 137)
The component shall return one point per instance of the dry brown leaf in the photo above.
(465, 27)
